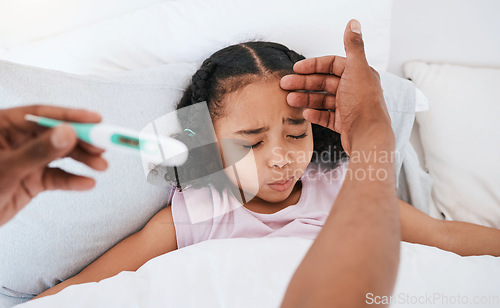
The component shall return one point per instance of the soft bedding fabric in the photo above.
(460, 136)
(26, 21)
(414, 184)
(191, 30)
(255, 273)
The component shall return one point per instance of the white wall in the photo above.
(453, 31)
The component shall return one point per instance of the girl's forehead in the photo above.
(257, 103)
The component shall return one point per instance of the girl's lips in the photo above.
(281, 187)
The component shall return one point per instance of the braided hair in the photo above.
(224, 72)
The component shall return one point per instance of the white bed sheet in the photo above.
(255, 273)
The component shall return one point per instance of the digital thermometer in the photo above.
(153, 148)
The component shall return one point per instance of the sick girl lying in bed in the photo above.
(280, 173)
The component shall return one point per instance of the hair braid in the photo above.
(199, 89)
(200, 159)
(201, 82)
(294, 56)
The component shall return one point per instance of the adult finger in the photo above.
(311, 100)
(353, 43)
(38, 152)
(94, 161)
(15, 116)
(10, 208)
(323, 65)
(321, 117)
(55, 178)
(314, 82)
(91, 149)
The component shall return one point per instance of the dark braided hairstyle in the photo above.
(223, 72)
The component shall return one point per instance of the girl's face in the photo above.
(265, 139)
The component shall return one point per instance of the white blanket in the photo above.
(255, 273)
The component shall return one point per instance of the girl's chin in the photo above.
(276, 200)
(271, 195)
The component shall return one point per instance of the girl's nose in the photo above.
(280, 157)
(282, 166)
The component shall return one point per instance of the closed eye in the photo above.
(253, 146)
(299, 137)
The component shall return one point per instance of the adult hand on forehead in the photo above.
(26, 149)
(339, 92)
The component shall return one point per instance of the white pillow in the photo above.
(461, 139)
(59, 233)
(421, 102)
(191, 30)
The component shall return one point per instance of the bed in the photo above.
(134, 57)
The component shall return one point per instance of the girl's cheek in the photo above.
(244, 160)
(244, 174)
(300, 151)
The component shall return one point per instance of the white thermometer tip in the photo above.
(32, 118)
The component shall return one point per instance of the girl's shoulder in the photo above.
(203, 204)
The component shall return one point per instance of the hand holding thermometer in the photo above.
(153, 148)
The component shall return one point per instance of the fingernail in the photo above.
(355, 26)
(283, 81)
(285, 77)
(60, 138)
(297, 63)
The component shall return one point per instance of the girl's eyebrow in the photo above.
(294, 121)
(251, 132)
(260, 130)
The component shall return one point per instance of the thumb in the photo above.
(353, 42)
(40, 151)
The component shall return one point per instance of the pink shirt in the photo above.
(203, 214)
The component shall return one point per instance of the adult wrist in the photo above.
(373, 122)
(368, 135)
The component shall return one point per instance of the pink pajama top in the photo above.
(203, 214)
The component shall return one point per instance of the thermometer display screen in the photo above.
(125, 140)
(129, 141)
